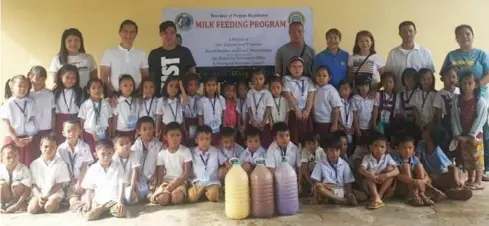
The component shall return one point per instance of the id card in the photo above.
(143, 188)
(100, 132)
(131, 122)
(214, 124)
(302, 102)
(30, 128)
(385, 116)
(191, 131)
(339, 192)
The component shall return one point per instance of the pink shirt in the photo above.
(231, 115)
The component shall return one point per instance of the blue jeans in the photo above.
(485, 130)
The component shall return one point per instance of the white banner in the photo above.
(223, 37)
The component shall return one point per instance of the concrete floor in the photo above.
(474, 212)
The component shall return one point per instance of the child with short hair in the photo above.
(127, 109)
(280, 112)
(211, 108)
(424, 97)
(229, 148)
(190, 111)
(345, 147)
(282, 147)
(206, 160)
(77, 156)
(260, 103)
(346, 111)
(387, 105)
(130, 162)
(173, 169)
(363, 107)
(310, 154)
(15, 180)
(242, 106)
(253, 150)
(104, 185)
(49, 175)
(379, 171)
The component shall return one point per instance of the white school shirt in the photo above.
(88, 114)
(320, 154)
(339, 174)
(274, 155)
(299, 88)
(205, 166)
(307, 156)
(423, 102)
(190, 110)
(439, 102)
(212, 115)
(258, 101)
(280, 109)
(248, 156)
(124, 61)
(20, 174)
(83, 61)
(371, 164)
(46, 175)
(326, 99)
(346, 113)
(127, 106)
(69, 106)
(18, 112)
(385, 114)
(44, 101)
(371, 65)
(128, 164)
(107, 183)
(171, 110)
(174, 162)
(242, 109)
(234, 152)
(149, 158)
(148, 107)
(364, 108)
(75, 158)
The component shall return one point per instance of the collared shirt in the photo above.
(434, 163)
(413, 160)
(248, 156)
(299, 89)
(20, 174)
(242, 109)
(44, 101)
(124, 61)
(46, 175)
(89, 113)
(307, 156)
(171, 110)
(440, 97)
(174, 162)
(380, 166)
(327, 173)
(326, 99)
(148, 107)
(128, 164)
(280, 109)
(206, 166)
(346, 113)
(83, 61)
(19, 112)
(400, 59)
(364, 108)
(387, 107)
(65, 104)
(211, 109)
(337, 64)
(106, 183)
(259, 101)
(423, 102)
(148, 156)
(75, 158)
(275, 154)
(127, 107)
(190, 110)
(234, 152)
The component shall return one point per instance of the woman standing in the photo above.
(72, 51)
(365, 60)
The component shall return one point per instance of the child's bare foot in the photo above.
(476, 186)
(440, 197)
(351, 200)
(427, 201)
(415, 201)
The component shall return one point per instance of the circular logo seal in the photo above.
(184, 21)
(296, 17)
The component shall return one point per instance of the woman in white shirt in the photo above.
(72, 51)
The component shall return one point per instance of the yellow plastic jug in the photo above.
(237, 192)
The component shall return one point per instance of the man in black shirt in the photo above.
(170, 59)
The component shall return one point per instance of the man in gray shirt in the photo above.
(296, 47)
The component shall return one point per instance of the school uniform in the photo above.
(280, 109)
(127, 115)
(346, 118)
(96, 117)
(128, 164)
(74, 160)
(332, 176)
(148, 158)
(20, 113)
(443, 101)
(212, 109)
(190, 114)
(19, 176)
(326, 99)
(378, 166)
(234, 152)
(250, 157)
(363, 107)
(299, 88)
(205, 179)
(388, 105)
(66, 108)
(44, 101)
(174, 166)
(423, 103)
(46, 175)
(406, 104)
(275, 154)
(242, 108)
(171, 110)
(147, 107)
(258, 102)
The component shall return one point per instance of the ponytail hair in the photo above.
(10, 82)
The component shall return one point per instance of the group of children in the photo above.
(357, 142)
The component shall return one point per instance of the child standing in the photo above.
(77, 156)
(260, 103)
(148, 100)
(346, 111)
(174, 168)
(229, 148)
(424, 97)
(190, 110)
(327, 103)
(387, 105)
(126, 111)
(211, 108)
(170, 108)
(18, 115)
(253, 150)
(242, 106)
(231, 112)
(206, 160)
(49, 175)
(129, 160)
(15, 180)
(299, 92)
(280, 112)
(67, 96)
(95, 114)
(282, 147)
(469, 115)
(363, 107)
(409, 83)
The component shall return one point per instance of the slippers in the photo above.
(375, 205)
(477, 187)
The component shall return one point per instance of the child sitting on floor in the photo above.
(15, 180)
(129, 160)
(282, 147)
(229, 148)
(253, 151)
(309, 155)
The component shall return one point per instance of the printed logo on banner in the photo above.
(297, 17)
(184, 21)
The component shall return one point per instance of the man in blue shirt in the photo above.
(335, 58)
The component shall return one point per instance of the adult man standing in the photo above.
(171, 59)
(124, 59)
(408, 54)
(296, 47)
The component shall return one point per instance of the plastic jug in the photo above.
(237, 192)
(262, 195)
(286, 188)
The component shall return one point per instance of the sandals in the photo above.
(375, 205)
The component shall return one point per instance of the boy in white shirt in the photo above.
(173, 169)
(310, 154)
(77, 156)
(253, 151)
(346, 110)
(229, 148)
(282, 147)
(280, 110)
(15, 180)
(130, 162)
(327, 103)
(49, 175)
(104, 185)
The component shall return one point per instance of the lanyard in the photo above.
(97, 107)
(23, 110)
(124, 164)
(347, 112)
(257, 104)
(424, 98)
(145, 154)
(213, 104)
(410, 96)
(193, 112)
(148, 110)
(301, 87)
(386, 101)
(335, 168)
(72, 164)
(241, 104)
(68, 106)
(204, 161)
(129, 104)
(174, 113)
(277, 105)
(10, 177)
(283, 151)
